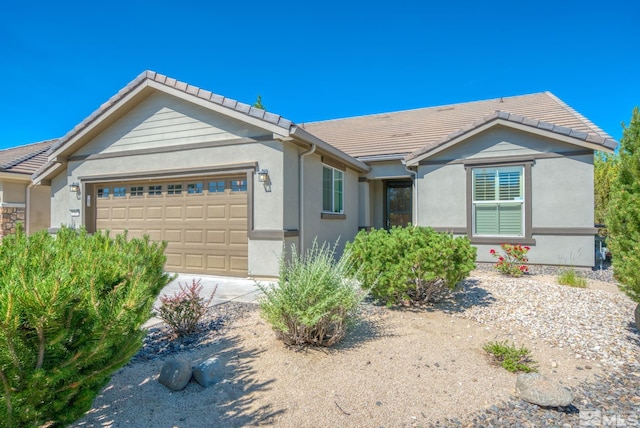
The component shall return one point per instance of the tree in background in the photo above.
(623, 217)
(605, 170)
(258, 103)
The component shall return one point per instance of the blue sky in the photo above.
(314, 61)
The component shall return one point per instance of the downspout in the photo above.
(415, 191)
(27, 214)
(301, 197)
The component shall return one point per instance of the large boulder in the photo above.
(208, 372)
(175, 374)
(540, 390)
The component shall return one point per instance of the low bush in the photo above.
(513, 261)
(313, 301)
(185, 308)
(510, 357)
(72, 307)
(411, 263)
(571, 278)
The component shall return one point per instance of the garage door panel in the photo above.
(216, 212)
(154, 213)
(194, 236)
(216, 236)
(136, 213)
(173, 212)
(238, 237)
(238, 211)
(205, 232)
(173, 236)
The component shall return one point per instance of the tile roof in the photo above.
(408, 131)
(25, 159)
(181, 86)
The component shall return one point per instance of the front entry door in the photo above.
(398, 203)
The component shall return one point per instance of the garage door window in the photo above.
(119, 192)
(155, 190)
(194, 188)
(216, 186)
(103, 192)
(238, 185)
(174, 189)
(137, 190)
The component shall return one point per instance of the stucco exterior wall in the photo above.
(561, 199)
(328, 230)
(39, 208)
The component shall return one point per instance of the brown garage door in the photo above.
(204, 220)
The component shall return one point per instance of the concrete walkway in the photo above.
(229, 290)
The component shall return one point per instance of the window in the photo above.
(498, 201)
(216, 186)
(194, 188)
(174, 189)
(103, 192)
(119, 192)
(155, 190)
(238, 185)
(136, 190)
(332, 193)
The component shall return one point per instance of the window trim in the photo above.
(527, 237)
(333, 214)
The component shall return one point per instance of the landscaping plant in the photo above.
(414, 264)
(513, 260)
(623, 215)
(571, 278)
(71, 311)
(313, 301)
(510, 357)
(184, 310)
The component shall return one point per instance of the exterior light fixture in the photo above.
(263, 175)
(74, 188)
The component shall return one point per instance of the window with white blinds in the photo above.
(498, 201)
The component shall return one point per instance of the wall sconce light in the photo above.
(263, 175)
(74, 188)
(74, 213)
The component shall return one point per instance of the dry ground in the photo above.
(395, 368)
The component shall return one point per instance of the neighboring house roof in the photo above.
(404, 132)
(150, 80)
(25, 159)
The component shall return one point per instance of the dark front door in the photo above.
(398, 203)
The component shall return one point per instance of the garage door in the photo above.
(203, 220)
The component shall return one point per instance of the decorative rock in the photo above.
(208, 372)
(537, 389)
(175, 374)
(637, 312)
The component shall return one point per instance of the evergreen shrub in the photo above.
(410, 263)
(313, 301)
(71, 311)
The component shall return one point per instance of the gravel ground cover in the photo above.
(399, 367)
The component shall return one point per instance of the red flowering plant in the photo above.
(513, 261)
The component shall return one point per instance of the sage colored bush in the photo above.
(313, 301)
(410, 263)
(71, 311)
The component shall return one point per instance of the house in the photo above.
(20, 201)
(229, 185)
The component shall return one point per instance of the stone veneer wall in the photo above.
(9, 218)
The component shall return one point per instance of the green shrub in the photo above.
(313, 301)
(410, 263)
(510, 358)
(71, 311)
(571, 278)
(623, 213)
(184, 310)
